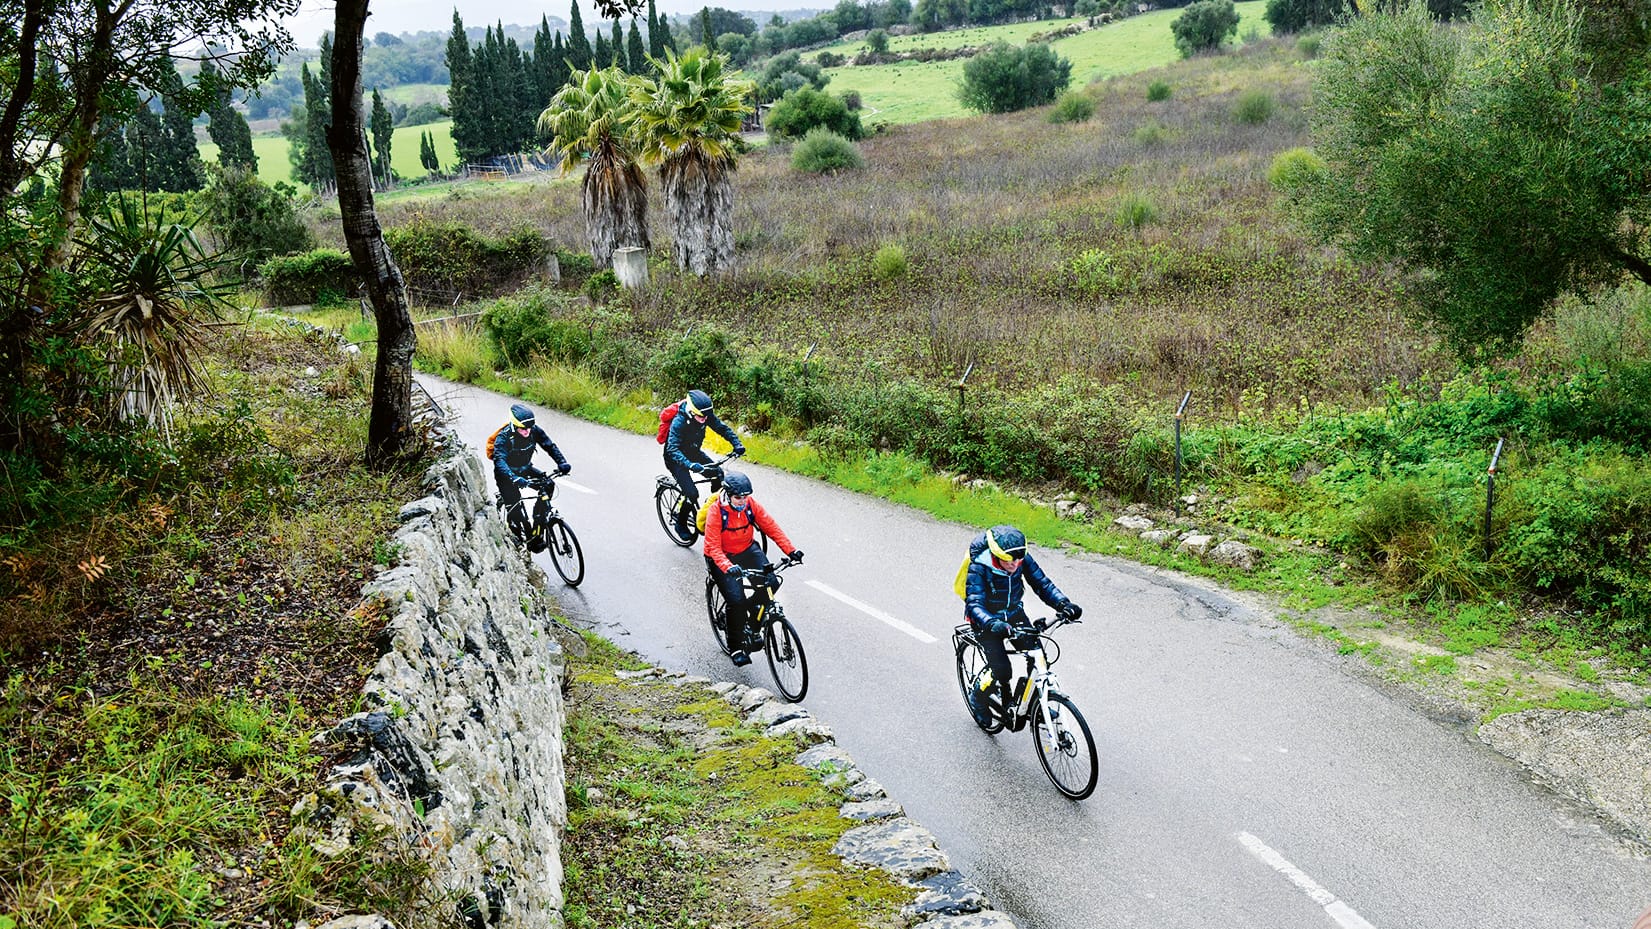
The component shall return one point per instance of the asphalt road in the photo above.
(1246, 779)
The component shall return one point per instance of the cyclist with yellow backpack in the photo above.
(731, 552)
(997, 571)
(511, 449)
(683, 433)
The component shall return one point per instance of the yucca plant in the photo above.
(686, 121)
(589, 118)
(155, 292)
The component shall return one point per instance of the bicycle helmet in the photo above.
(520, 416)
(1006, 542)
(736, 483)
(698, 403)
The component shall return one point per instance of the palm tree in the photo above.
(588, 118)
(686, 121)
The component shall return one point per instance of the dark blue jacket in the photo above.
(990, 593)
(513, 454)
(687, 436)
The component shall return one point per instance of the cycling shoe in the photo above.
(741, 659)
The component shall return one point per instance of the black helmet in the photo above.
(1006, 542)
(698, 403)
(520, 416)
(736, 483)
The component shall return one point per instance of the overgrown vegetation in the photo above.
(176, 623)
(681, 817)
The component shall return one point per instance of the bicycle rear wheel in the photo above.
(668, 501)
(717, 609)
(785, 656)
(971, 668)
(565, 552)
(1065, 748)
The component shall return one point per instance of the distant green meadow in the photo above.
(911, 92)
(274, 165)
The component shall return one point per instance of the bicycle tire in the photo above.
(667, 499)
(1070, 748)
(565, 553)
(784, 649)
(971, 664)
(716, 608)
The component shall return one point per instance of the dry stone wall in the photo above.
(459, 754)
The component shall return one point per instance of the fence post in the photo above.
(960, 383)
(1180, 412)
(807, 355)
(1490, 492)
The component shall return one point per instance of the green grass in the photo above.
(910, 92)
(273, 163)
(412, 94)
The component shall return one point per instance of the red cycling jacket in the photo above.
(730, 531)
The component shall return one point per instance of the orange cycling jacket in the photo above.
(728, 530)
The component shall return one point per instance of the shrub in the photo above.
(1308, 45)
(323, 277)
(1204, 26)
(1150, 133)
(802, 110)
(602, 286)
(1295, 15)
(822, 151)
(704, 359)
(1004, 78)
(889, 263)
(829, 60)
(1072, 107)
(1136, 211)
(851, 99)
(1158, 91)
(450, 258)
(878, 41)
(524, 326)
(252, 221)
(1294, 169)
(1254, 107)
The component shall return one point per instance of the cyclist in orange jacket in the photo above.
(731, 552)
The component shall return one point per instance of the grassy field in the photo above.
(412, 94)
(911, 92)
(273, 164)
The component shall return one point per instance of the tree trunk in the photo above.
(390, 429)
(11, 167)
(699, 196)
(82, 141)
(616, 207)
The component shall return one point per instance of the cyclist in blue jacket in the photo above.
(999, 568)
(687, 433)
(513, 461)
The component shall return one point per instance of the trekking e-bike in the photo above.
(780, 642)
(1065, 747)
(546, 530)
(676, 512)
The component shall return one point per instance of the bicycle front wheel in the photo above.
(785, 657)
(669, 504)
(1065, 748)
(971, 670)
(716, 608)
(565, 552)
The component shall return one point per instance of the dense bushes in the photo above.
(802, 110)
(527, 325)
(823, 151)
(1204, 26)
(444, 260)
(1004, 78)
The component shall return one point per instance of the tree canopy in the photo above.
(1005, 78)
(1500, 164)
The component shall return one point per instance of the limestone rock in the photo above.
(946, 894)
(898, 846)
(358, 922)
(1160, 537)
(871, 809)
(1236, 554)
(774, 712)
(752, 697)
(985, 919)
(1134, 523)
(829, 754)
(1195, 543)
(867, 789)
(805, 727)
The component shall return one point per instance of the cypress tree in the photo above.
(656, 38)
(311, 158)
(559, 70)
(705, 36)
(427, 152)
(178, 160)
(580, 54)
(227, 127)
(638, 54)
(112, 166)
(383, 129)
(462, 98)
(621, 59)
(543, 49)
(666, 37)
(602, 55)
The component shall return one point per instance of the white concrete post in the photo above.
(630, 265)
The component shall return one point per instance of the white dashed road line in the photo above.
(1335, 908)
(874, 612)
(574, 485)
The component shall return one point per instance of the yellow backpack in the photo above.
(704, 508)
(961, 583)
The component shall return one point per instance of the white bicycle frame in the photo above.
(1040, 682)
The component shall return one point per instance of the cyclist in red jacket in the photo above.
(731, 552)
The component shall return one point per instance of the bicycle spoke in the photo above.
(1066, 749)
